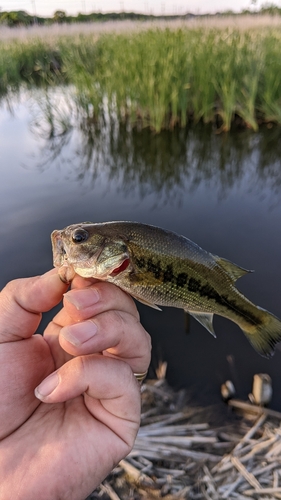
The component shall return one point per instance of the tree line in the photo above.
(22, 18)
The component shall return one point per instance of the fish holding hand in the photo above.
(161, 268)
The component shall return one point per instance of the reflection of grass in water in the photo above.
(171, 163)
(158, 78)
(52, 113)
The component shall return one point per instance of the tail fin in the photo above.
(265, 336)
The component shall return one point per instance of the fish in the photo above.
(162, 268)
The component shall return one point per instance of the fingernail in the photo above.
(47, 386)
(83, 298)
(79, 333)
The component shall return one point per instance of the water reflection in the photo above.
(177, 161)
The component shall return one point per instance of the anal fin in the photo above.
(206, 320)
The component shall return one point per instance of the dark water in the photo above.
(221, 191)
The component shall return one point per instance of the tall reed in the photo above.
(158, 77)
(33, 63)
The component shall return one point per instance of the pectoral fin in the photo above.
(145, 302)
(206, 319)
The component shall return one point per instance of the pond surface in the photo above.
(221, 191)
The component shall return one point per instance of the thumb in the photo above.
(23, 300)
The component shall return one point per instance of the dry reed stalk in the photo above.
(178, 456)
(106, 488)
(264, 491)
(247, 475)
(251, 408)
(135, 475)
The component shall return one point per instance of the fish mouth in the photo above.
(66, 273)
(59, 253)
(60, 259)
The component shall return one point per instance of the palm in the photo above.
(69, 446)
(52, 437)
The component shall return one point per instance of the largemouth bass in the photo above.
(159, 267)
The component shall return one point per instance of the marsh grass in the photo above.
(157, 77)
(33, 63)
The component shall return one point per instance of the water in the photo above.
(222, 191)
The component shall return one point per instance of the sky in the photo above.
(48, 7)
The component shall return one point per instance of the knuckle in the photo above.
(111, 322)
(82, 363)
(8, 297)
(148, 340)
(115, 296)
(10, 288)
(118, 321)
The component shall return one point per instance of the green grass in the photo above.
(158, 77)
(32, 63)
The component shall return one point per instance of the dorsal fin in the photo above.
(232, 270)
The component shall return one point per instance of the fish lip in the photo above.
(66, 273)
(60, 259)
(59, 253)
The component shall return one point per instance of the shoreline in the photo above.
(178, 454)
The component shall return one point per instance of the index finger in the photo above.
(22, 302)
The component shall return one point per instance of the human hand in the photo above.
(62, 445)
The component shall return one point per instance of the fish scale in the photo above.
(161, 268)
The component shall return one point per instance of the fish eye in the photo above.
(79, 235)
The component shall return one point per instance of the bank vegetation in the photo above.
(157, 76)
